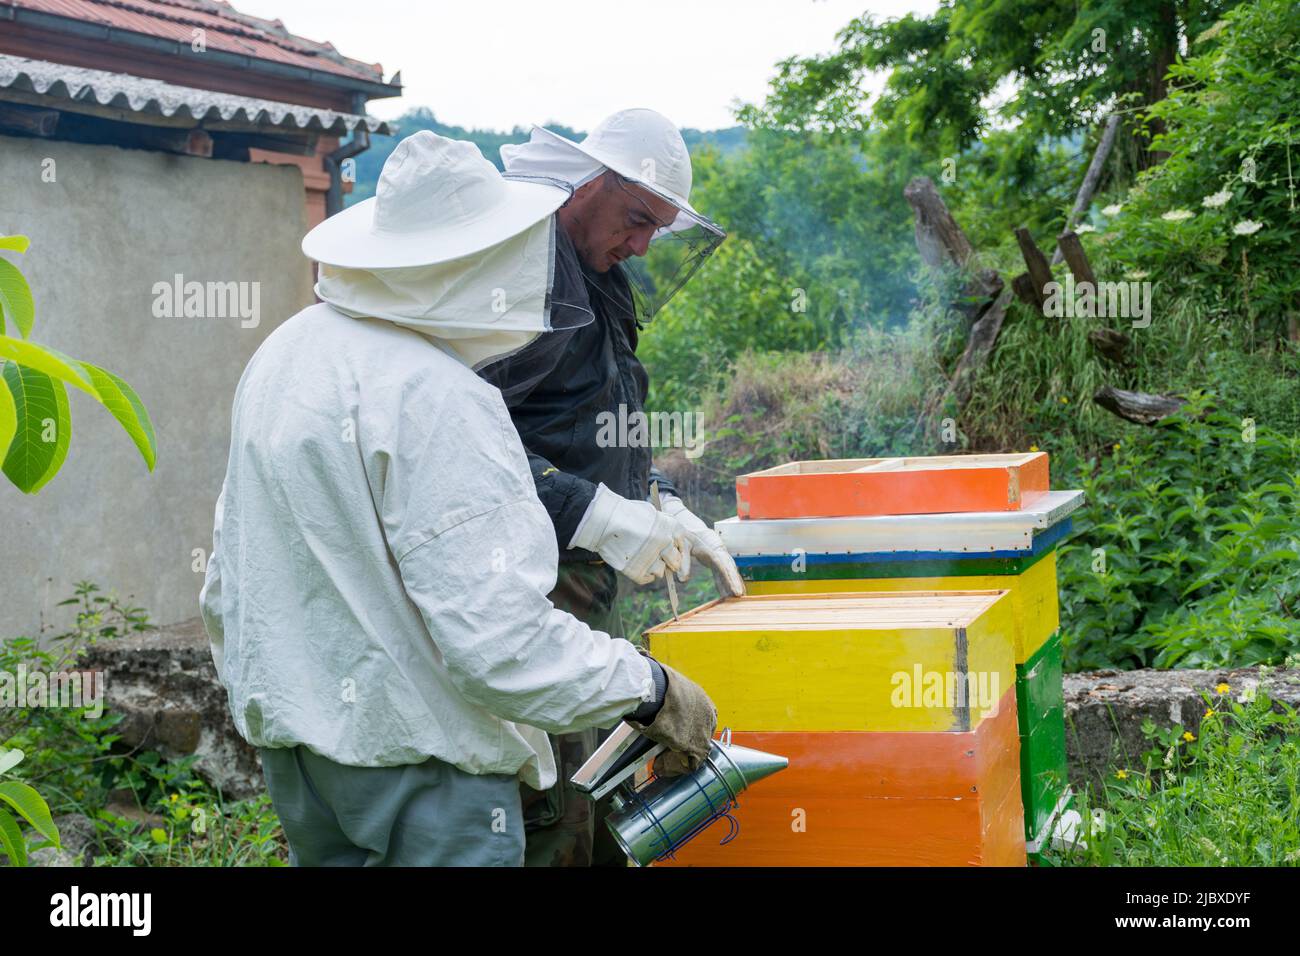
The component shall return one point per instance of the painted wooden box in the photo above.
(1015, 552)
(897, 712)
(1032, 594)
(1035, 617)
(893, 486)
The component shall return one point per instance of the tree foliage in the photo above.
(35, 424)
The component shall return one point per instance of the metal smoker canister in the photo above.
(651, 822)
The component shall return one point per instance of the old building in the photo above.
(165, 157)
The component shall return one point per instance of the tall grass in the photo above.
(1228, 797)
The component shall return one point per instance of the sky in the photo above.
(496, 64)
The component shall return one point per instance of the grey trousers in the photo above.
(428, 814)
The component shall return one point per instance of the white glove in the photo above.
(707, 547)
(633, 537)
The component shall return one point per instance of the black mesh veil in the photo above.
(569, 308)
(676, 252)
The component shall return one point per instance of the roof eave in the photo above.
(371, 89)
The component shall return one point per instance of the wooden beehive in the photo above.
(1011, 551)
(891, 763)
(1035, 617)
(893, 486)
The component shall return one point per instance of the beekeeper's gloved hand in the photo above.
(684, 724)
(633, 537)
(707, 547)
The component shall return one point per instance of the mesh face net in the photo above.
(518, 373)
(676, 252)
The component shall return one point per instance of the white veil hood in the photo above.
(480, 307)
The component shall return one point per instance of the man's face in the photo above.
(610, 219)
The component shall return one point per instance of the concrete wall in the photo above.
(112, 224)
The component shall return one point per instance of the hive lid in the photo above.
(845, 611)
(940, 484)
(1004, 533)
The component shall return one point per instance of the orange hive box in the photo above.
(887, 798)
(893, 486)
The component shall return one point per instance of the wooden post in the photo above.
(1068, 244)
(938, 237)
(1092, 177)
(1138, 407)
(1040, 273)
(983, 336)
(1023, 286)
(984, 298)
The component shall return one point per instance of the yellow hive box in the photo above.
(893, 661)
(1036, 610)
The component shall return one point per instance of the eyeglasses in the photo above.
(623, 183)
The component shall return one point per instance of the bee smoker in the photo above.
(652, 821)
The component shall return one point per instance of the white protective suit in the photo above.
(377, 587)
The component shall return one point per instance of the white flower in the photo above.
(1113, 209)
(1247, 227)
(1215, 200)
(1098, 820)
(1177, 215)
(1248, 692)
(1086, 227)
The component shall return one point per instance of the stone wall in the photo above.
(165, 683)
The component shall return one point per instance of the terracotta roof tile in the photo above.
(225, 29)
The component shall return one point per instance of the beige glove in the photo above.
(684, 724)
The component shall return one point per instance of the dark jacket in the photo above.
(558, 387)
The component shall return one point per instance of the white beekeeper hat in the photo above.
(638, 144)
(644, 147)
(437, 199)
(448, 248)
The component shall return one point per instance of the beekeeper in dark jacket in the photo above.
(631, 181)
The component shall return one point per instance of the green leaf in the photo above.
(8, 419)
(47, 360)
(108, 389)
(124, 405)
(30, 807)
(15, 243)
(11, 839)
(16, 299)
(10, 759)
(34, 456)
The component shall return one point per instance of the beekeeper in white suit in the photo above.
(376, 596)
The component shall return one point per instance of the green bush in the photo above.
(146, 811)
(1187, 553)
(1217, 219)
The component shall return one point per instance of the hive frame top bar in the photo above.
(839, 611)
(976, 532)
